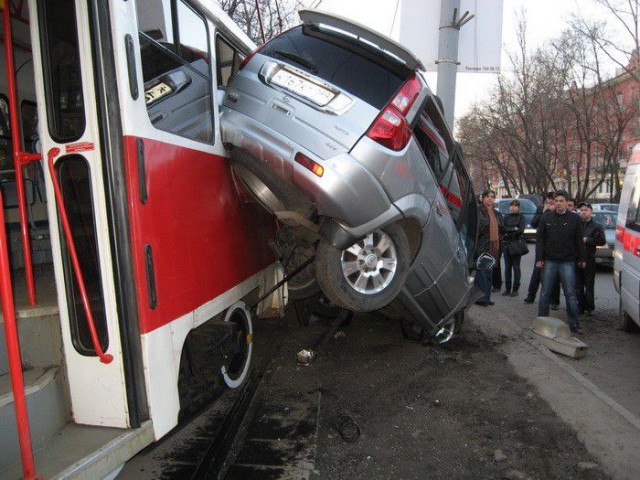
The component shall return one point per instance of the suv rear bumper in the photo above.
(347, 192)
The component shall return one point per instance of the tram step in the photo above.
(40, 338)
(86, 453)
(47, 406)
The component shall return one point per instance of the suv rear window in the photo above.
(342, 61)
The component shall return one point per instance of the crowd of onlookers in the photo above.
(565, 253)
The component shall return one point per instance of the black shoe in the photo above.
(529, 299)
(577, 330)
(554, 306)
(506, 293)
(495, 289)
(482, 303)
(514, 293)
(589, 313)
(490, 303)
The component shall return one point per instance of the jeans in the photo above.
(534, 284)
(483, 282)
(511, 262)
(586, 278)
(496, 274)
(567, 273)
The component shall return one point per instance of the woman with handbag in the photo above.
(513, 247)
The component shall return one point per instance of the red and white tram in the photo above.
(158, 238)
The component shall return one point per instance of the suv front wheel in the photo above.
(369, 274)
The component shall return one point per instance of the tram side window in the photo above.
(61, 62)
(174, 49)
(228, 60)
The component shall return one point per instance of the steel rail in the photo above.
(20, 158)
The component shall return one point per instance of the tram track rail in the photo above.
(205, 445)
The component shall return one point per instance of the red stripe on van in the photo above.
(630, 241)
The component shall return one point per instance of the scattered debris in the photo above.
(587, 466)
(305, 357)
(556, 336)
(347, 428)
(513, 474)
(339, 334)
(436, 403)
(499, 456)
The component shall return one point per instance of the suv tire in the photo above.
(369, 274)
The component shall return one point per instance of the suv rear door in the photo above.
(320, 88)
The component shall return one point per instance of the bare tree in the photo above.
(554, 121)
(262, 20)
(617, 35)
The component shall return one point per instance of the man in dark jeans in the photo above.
(559, 244)
(536, 274)
(593, 236)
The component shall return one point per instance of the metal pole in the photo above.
(17, 154)
(448, 56)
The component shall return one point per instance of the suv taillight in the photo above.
(407, 95)
(390, 127)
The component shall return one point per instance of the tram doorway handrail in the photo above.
(20, 158)
(64, 219)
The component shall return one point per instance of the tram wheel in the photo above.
(237, 357)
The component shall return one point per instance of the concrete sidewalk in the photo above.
(609, 431)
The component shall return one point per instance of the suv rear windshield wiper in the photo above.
(298, 59)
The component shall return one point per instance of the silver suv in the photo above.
(334, 130)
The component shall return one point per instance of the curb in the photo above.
(619, 409)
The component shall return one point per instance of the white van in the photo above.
(626, 256)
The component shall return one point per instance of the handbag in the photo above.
(518, 247)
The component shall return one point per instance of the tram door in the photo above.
(74, 134)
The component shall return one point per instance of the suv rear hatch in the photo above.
(319, 86)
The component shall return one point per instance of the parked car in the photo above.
(606, 207)
(604, 253)
(626, 256)
(537, 200)
(528, 210)
(334, 130)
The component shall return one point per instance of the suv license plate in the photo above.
(319, 95)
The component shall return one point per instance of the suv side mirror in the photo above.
(485, 262)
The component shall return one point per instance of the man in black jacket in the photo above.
(536, 274)
(559, 244)
(593, 236)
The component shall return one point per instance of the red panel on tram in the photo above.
(205, 240)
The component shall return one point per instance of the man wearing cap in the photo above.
(559, 245)
(592, 236)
